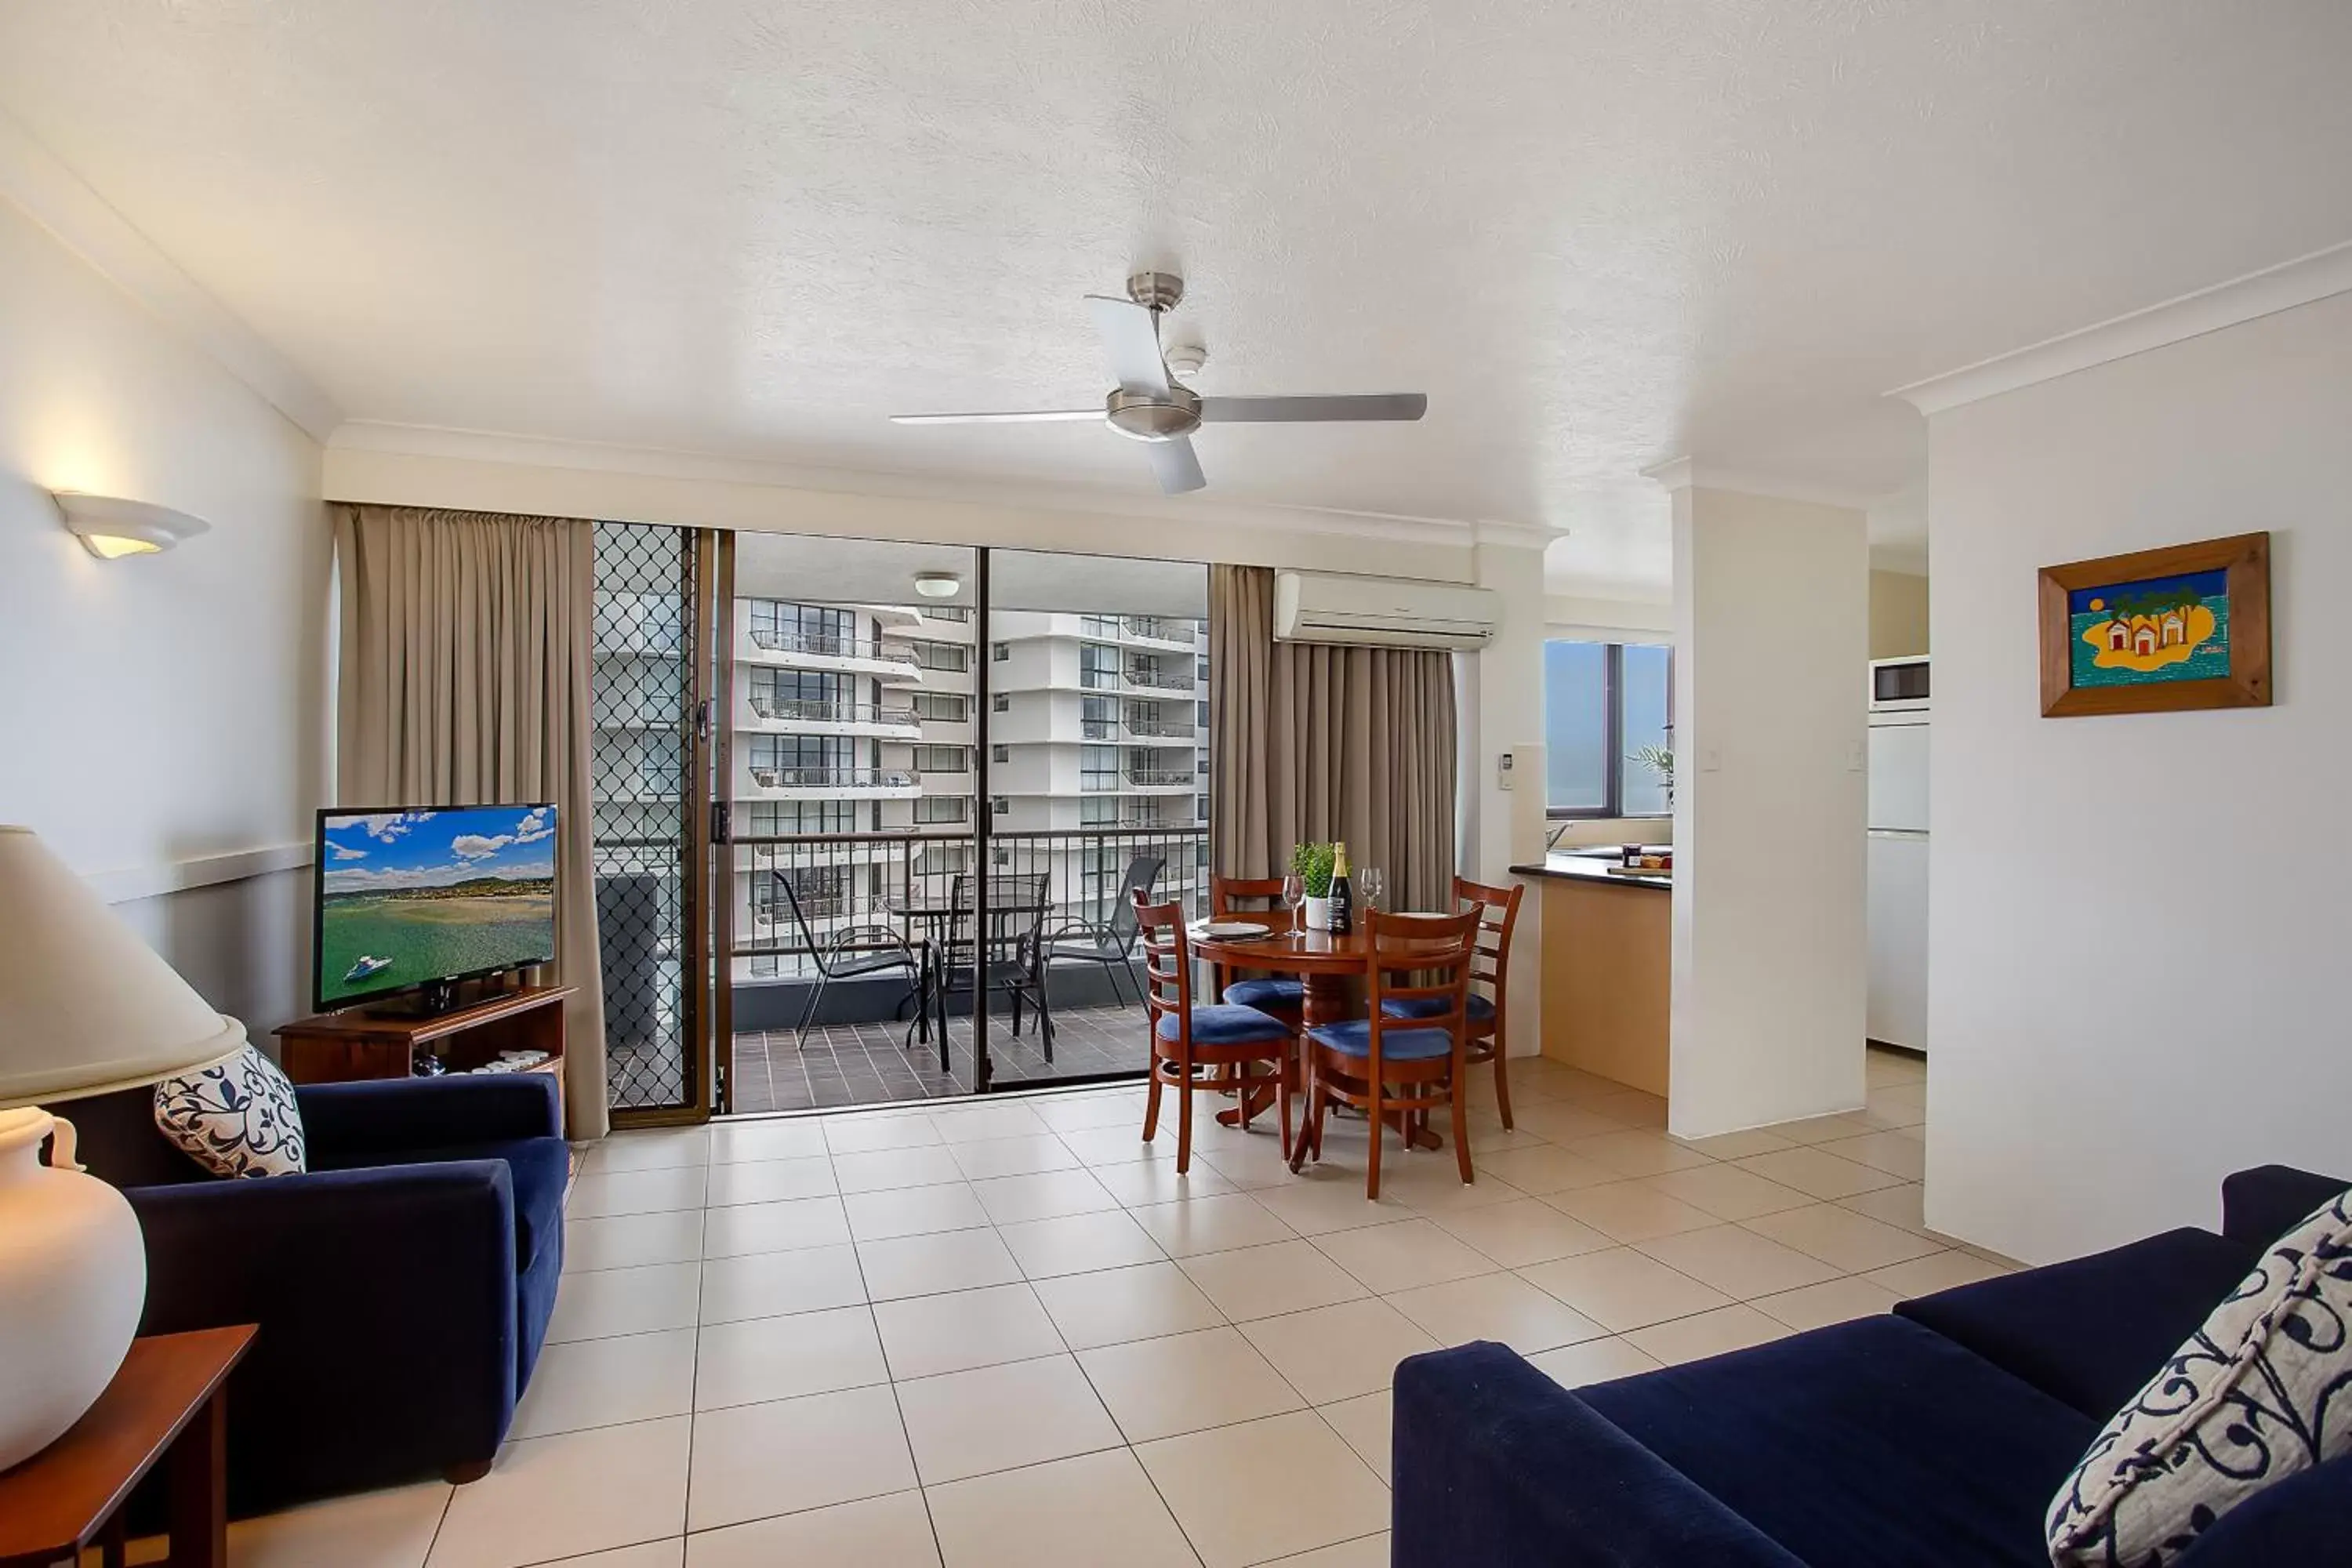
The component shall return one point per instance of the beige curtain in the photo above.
(1312, 742)
(466, 671)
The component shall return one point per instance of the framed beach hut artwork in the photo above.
(2159, 631)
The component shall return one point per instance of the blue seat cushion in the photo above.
(538, 1168)
(1222, 1024)
(2090, 1332)
(1354, 1039)
(1274, 992)
(1478, 1009)
(1867, 1445)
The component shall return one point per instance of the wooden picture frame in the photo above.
(2196, 605)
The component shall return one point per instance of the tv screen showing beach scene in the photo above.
(405, 897)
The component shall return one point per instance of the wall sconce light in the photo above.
(937, 584)
(110, 527)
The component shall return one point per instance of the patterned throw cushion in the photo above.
(236, 1119)
(2251, 1399)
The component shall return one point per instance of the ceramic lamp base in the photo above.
(73, 1281)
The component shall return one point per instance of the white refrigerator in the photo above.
(1898, 877)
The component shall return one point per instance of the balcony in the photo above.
(1152, 729)
(837, 784)
(1159, 678)
(834, 716)
(1160, 779)
(1160, 629)
(824, 650)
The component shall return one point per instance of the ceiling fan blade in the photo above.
(1035, 416)
(1130, 344)
(1313, 410)
(1178, 466)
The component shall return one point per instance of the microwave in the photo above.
(1898, 685)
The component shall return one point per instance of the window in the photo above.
(1104, 626)
(999, 652)
(767, 820)
(1000, 753)
(1097, 667)
(947, 612)
(805, 628)
(940, 808)
(1098, 717)
(1097, 767)
(1099, 811)
(1000, 703)
(1601, 702)
(998, 805)
(942, 707)
(1204, 715)
(941, 760)
(947, 655)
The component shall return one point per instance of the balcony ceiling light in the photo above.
(110, 527)
(937, 584)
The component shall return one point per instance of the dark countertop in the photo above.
(1590, 868)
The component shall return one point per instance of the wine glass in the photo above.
(1294, 896)
(1368, 886)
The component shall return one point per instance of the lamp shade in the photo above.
(85, 1005)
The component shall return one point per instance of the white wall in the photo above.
(168, 711)
(2130, 998)
(1501, 695)
(1771, 623)
(1898, 614)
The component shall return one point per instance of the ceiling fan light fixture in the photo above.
(937, 584)
(1148, 416)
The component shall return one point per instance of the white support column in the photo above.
(1508, 697)
(1771, 636)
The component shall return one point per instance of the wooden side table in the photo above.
(168, 1403)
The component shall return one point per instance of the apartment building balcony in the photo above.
(826, 651)
(835, 784)
(1158, 678)
(1150, 730)
(1164, 630)
(831, 716)
(1159, 781)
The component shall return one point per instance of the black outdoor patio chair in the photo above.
(1016, 914)
(855, 953)
(1109, 942)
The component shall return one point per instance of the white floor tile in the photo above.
(998, 1417)
(632, 1241)
(1820, 1174)
(1524, 1231)
(893, 1532)
(1638, 1153)
(1546, 1168)
(1019, 1156)
(1499, 1306)
(1364, 1551)
(603, 1383)
(926, 1335)
(865, 1134)
(1728, 1192)
(646, 1554)
(1112, 1305)
(924, 1165)
(1259, 1281)
(659, 1191)
(774, 1227)
(1266, 1489)
(1403, 1254)
(651, 1148)
(770, 1181)
(388, 1528)
(1848, 1241)
(1080, 1512)
(1329, 1197)
(1339, 1351)
(1073, 1243)
(1211, 1225)
(1893, 1153)
(1719, 1332)
(605, 1302)
(754, 1460)
(1138, 1183)
(1366, 1424)
(1904, 1207)
(1623, 1290)
(1183, 1383)
(977, 1123)
(913, 1211)
(794, 1138)
(1120, 1145)
(568, 1495)
(1738, 1145)
(1937, 1271)
(775, 1284)
(1631, 1211)
(760, 1360)
(1833, 1301)
(1079, 1113)
(1432, 1184)
(1738, 1261)
(1048, 1195)
(1594, 1361)
(929, 1265)
(1564, 1123)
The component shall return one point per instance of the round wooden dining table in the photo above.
(1333, 969)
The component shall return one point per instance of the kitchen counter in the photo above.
(1607, 967)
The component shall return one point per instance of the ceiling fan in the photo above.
(1150, 406)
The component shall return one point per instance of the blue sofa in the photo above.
(403, 1283)
(1934, 1436)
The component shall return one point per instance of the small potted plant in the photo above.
(1312, 862)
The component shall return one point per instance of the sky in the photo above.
(435, 849)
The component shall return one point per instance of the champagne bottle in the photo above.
(1343, 893)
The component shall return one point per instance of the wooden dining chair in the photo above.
(1283, 995)
(1214, 1047)
(1498, 913)
(1392, 1065)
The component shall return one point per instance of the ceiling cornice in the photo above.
(61, 202)
(653, 462)
(1688, 473)
(2265, 293)
(1518, 535)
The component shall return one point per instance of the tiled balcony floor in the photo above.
(870, 1064)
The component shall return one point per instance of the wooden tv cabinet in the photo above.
(337, 1048)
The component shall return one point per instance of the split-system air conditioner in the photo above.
(1386, 611)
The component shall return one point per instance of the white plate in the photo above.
(1221, 929)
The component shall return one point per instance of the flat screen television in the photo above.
(418, 899)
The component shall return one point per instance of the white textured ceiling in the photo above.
(1598, 235)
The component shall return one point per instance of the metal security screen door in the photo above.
(650, 791)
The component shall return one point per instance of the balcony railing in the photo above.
(1152, 677)
(1159, 629)
(830, 710)
(832, 778)
(1161, 729)
(828, 645)
(1159, 778)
